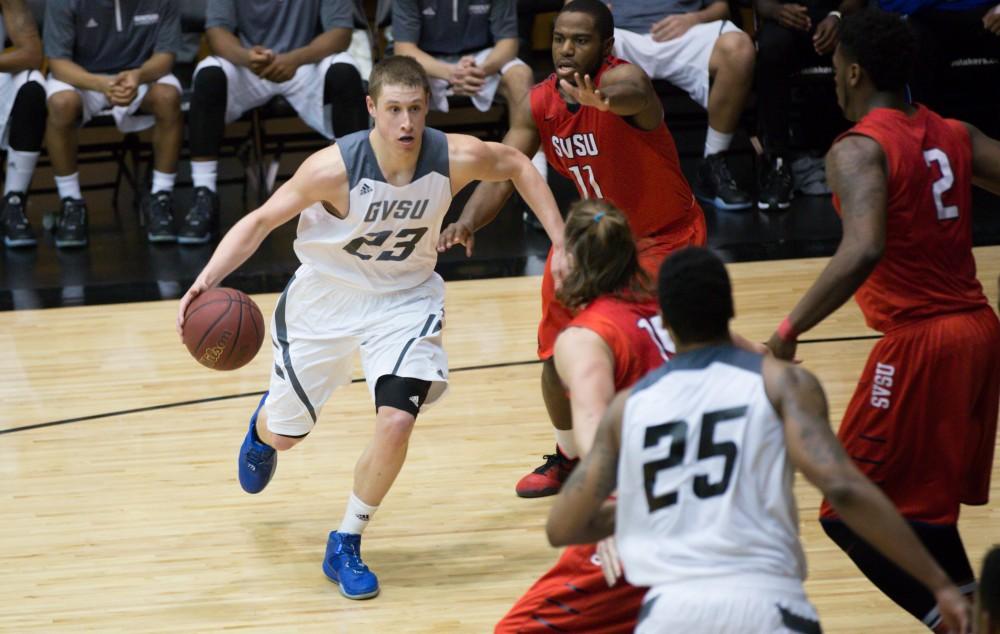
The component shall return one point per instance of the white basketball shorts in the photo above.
(316, 328)
(682, 61)
(304, 91)
(127, 118)
(702, 606)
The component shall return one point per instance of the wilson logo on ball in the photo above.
(223, 329)
(211, 355)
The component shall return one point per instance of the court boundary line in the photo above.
(229, 397)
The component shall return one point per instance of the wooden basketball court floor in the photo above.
(121, 511)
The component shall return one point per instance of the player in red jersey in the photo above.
(600, 124)
(615, 337)
(613, 340)
(922, 421)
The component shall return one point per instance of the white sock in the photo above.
(20, 167)
(357, 516)
(541, 164)
(716, 141)
(69, 186)
(203, 173)
(566, 443)
(163, 182)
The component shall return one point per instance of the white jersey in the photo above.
(388, 239)
(704, 480)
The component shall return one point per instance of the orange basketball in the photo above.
(223, 329)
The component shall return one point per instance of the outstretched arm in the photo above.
(472, 159)
(580, 513)
(855, 168)
(814, 450)
(985, 160)
(318, 178)
(625, 91)
(587, 368)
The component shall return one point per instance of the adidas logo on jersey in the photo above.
(366, 189)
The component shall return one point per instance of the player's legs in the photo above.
(163, 101)
(66, 106)
(395, 416)
(25, 129)
(943, 542)
(61, 138)
(547, 478)
(573, 596)
(312, 357)
(398, 401)
(222, 93)
(913, 429)
(780, 51)
(406, 369)
(730, 69)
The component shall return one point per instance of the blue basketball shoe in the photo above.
(257, 461)
(342, 565)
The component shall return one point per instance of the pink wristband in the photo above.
(785, 330)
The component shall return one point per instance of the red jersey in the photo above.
(634, 333)
(637, 170)
(927, 268)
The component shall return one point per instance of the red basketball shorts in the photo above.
(652, 252)
(922, 422)
(574, 597)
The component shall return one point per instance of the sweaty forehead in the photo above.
(571, 23)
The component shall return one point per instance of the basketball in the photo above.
(223, 329)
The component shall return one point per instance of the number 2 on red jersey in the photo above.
(943, 184)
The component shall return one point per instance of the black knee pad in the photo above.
(401, 392)
(207, 117)
(27, 118)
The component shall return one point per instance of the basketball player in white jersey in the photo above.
(702, 451)
(371, 211)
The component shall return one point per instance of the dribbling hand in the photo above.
(196, 289)
(586, 93)
(457, 233)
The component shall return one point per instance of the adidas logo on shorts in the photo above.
(415, 400)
